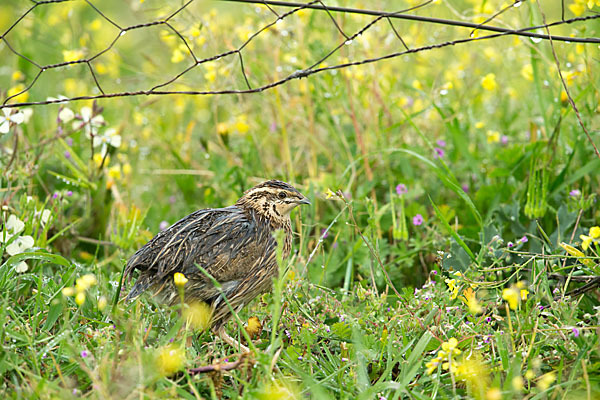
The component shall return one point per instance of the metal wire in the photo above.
(294, 7)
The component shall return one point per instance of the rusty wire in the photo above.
(293, 7)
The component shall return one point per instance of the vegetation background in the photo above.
(451, 250)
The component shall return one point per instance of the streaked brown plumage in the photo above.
(235, 245)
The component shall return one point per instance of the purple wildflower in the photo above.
(488, 319)
(401, 189)
(575, 193)
(273, 127)
(69, 193)
(465, 188)
(324, 233)
(417, 220)
(84, 353)
(344, 359)
(441, 143)
(504, 139)
(55, 195)
(163, 225)
(524, 239)
(510, 244)
(575, 332)
(69, 141)
(541, 308)
(335, 245)
(67, 154)
(300, 358)
(439, 152)
(434, 272)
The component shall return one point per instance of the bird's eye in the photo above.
(282, 195)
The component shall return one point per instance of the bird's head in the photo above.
(273, 199)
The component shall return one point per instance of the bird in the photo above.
(235, 245)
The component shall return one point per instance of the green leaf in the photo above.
(414, 361)
(36, 255)
(54, 312)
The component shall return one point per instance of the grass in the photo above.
(451, 234)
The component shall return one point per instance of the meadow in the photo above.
(452, 246)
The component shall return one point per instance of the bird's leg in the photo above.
(231, 341)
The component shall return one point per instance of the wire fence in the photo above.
(286, 9)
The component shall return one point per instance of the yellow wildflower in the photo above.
(417, 85)
(98, 159)
(127, 169)
(577, 9)
(84, 282)
(195, 31)
(512, 296)
(595, 232)
(95, 25)
(72, 55)
(222, 128)
(524, 294)
(279, 390)
(479, 124)
(527, 72)
(115, 172)
(529, 375)
(170, 359)
(253, 327)
(470, 299)
(493, 136)
(241, 125)
(198, 315)
(329, 194)
(563, 97)
(450, 347)
(17, 76)
(432, 365)
(518, 383)
(545, 381)
(488, 82)
(179, 279)
(493, 394)
(585, 241)
(19, 98)
(80, 298)
(68, 291)
(102, 302)
(452, 288)
(177, 56)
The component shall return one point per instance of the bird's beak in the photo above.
(304, 201)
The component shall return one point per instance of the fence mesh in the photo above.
(181, 28)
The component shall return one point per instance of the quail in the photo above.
(234, 245)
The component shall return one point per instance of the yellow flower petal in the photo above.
(179, 279)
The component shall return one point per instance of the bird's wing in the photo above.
(218, 240)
